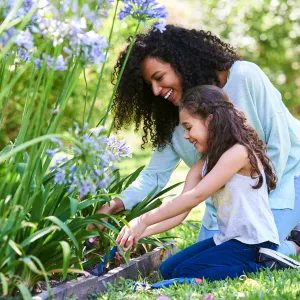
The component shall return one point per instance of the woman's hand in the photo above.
(129, 237)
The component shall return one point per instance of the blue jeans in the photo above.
(285, 220)
(205, 259)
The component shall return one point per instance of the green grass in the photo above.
(273, 285)
(283, 284)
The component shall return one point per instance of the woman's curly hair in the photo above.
(195, 55)
(227, 127)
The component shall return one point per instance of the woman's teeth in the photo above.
(168, 94)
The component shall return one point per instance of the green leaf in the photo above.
(24, 291)
(37, 235)
(15, 247)
(32, 142)
(66, 257)
(73, 205)
(44, 273)
(21, 168)
(65, 228)
(38, 207)
(4, 284)
(31, 265)
(168, 189)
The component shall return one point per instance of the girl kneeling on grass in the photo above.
(236, 173)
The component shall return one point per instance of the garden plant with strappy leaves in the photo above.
(51, 182)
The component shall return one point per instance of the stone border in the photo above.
(83, 286)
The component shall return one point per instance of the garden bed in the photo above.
(83, 286)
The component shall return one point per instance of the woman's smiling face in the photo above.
(163, 79)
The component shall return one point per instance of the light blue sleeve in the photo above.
(273, 118)
(158, 173)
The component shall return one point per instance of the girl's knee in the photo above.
(177, 272)
(165, 270)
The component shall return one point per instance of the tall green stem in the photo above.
(103, 65)
(120, 76)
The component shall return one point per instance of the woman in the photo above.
(160, 68)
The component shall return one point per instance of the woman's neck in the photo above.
(223, 76)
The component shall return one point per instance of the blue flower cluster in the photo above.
(93, 160)
(144, 10)
(67, 23)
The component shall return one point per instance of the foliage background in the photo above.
(266, 32)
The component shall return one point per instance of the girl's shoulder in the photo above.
(238, 150)
(237, 155)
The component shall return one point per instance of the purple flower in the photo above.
(60, 64)
(60, 176)
(73, 169)
(56, 140)
(104, 159)
(160, 26)
(123, 150)
(24, 54)
(142, 10)
(77, 130)
(103, 184)
(52, 152)
(61, 160)
(37, 63)
(6, 36)
(84, 189)
(96, 130)
(74, 182)
(97, 172)
(94, 156)
(25, 39)
(68, 51)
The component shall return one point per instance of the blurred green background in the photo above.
(264, 32)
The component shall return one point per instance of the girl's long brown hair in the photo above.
(227, 128)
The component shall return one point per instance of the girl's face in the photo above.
(195, 130)
(164, 81)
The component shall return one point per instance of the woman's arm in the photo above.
(228, 165)
(192, 179)
(157, 174)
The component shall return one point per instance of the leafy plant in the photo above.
(45, 207)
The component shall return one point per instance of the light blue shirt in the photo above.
(251, 92)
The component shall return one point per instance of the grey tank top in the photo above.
(243, 213)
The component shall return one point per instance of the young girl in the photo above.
(236, 173)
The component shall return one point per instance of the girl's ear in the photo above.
(208, 119)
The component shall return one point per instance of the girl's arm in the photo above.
(228, 165)
(192, 179)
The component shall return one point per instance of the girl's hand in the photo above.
(129, 237)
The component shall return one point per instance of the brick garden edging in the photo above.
(83, 286)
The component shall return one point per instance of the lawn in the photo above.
(283, 284)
